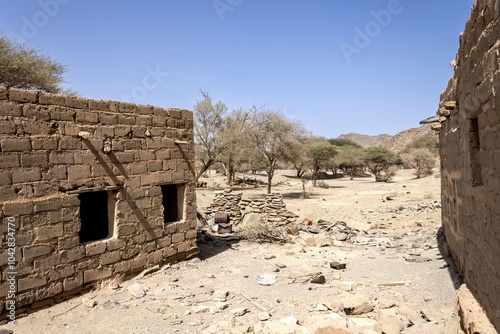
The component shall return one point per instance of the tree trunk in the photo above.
(270, 174)
(203, 169)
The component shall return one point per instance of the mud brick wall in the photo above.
(56, 154)
(470, 157)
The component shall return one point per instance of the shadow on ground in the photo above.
(210, 245)
(450, 264)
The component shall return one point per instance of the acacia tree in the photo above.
(275, 138)
(379, 161)
(208, 129)
(422, 161)
(319, 154)
(27, 68)
(350, 160)
(234, 140)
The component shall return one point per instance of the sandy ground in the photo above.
(218, 292)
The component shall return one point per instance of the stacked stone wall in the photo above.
(55, 147)
(469, 131)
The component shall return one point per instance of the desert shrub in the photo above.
(380, 161)
(423, 162)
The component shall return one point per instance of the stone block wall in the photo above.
(469, 133)
(93, 190)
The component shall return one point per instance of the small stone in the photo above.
(87, 302)
(314, 229)
(238, 312)
(280, 265)
(220, 296)
(356, 306)
(385, 304)
(341, 236)
(269, 257)
(263, 316)
(200, 309)
(322, 307)
(219, 306)
(114, 285)
(267, 279)
(136, 290)
(289, 321)
(169, 316)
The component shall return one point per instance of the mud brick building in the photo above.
(469, 131)
(97, 189)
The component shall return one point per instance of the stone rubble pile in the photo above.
(227, 202)
(270, 206)
(419, 207)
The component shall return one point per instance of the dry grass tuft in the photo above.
(264, 230)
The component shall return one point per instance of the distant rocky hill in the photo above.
(365, 140)
(395, 143)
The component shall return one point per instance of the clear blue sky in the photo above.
(338, 66)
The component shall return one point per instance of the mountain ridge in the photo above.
(396, 142)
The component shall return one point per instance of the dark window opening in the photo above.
(173, 202)
(474, 151)
(96, 211)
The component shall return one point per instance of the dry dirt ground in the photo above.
(396, 277)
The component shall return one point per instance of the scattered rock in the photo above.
(314, 230)
(356, 306)
(386, 303)
(169, 316)
(264, 316)
(331, 326)
(341, 236)
(390, 322)
(357, 325)
(291, 320)
(322, 307)
(136, 290)
(337, 265)
(238, 312)
(220, 296)
(200, 309)
(87, 302)
(219, 306)
(322, 240)
(267, 279)
(319, 279)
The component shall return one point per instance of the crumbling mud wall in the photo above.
(90, 190)
(469, 131)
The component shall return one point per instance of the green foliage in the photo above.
(343, 142)
(379, 161)
(429, 142)
(423, 162)
(350, 160)
(319, 153)
(22, 67)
